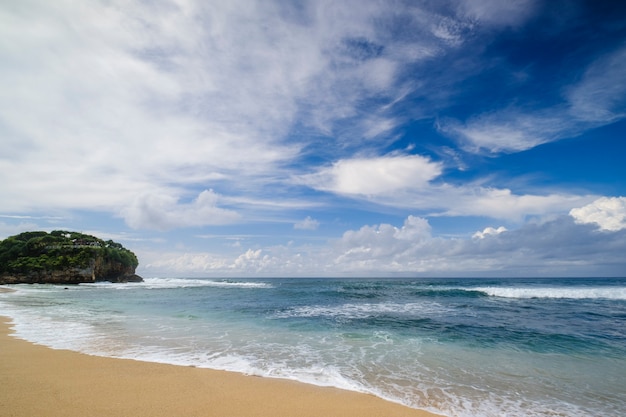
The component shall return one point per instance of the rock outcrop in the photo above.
(64, 258)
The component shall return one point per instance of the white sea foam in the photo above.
(170, 283)
(359, 311)
(611, 293)
(48, 332)
(320, 375)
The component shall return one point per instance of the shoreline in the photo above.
(38, 380)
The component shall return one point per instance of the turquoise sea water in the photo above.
(464, 347)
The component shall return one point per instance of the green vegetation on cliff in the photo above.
(60, 250)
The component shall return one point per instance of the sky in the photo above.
(469, 138)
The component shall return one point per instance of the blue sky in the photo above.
(321, 138)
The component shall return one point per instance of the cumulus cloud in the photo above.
(384, 236)
(251, 258)
(488, 231)
(375, 176)
(368, 246)
(608, 213)
(307, 224)
(554, 247)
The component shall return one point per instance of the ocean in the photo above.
(458, 347)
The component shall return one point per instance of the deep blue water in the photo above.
(464, 347)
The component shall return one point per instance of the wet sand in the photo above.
(38, 381)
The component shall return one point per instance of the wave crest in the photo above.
(611, 293)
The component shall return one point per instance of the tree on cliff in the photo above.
(33, 256)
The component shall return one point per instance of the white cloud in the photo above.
(609, 213)
(414, 229)
(163, 212)
(488, 231)
(381, 247)
(502, 203)
(307, 224)
(375, 176)
(384, 237)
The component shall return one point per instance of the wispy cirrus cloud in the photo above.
(599, 97)
(510, 130)
(498, 13)
(596, 100)
(171, 97)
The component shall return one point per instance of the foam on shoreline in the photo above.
(41, 381)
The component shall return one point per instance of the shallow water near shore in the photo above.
(466, 347)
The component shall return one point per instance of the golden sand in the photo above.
(38, 381)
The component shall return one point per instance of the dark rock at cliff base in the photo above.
(62, 257)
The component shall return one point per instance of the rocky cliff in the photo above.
(62, 257)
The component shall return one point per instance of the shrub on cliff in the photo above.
(59, 250)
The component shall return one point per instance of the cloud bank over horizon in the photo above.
(564, 245)
(318, 137)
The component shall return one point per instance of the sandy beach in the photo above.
(38, 381)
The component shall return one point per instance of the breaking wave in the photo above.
(170, 283)
(610, 293)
